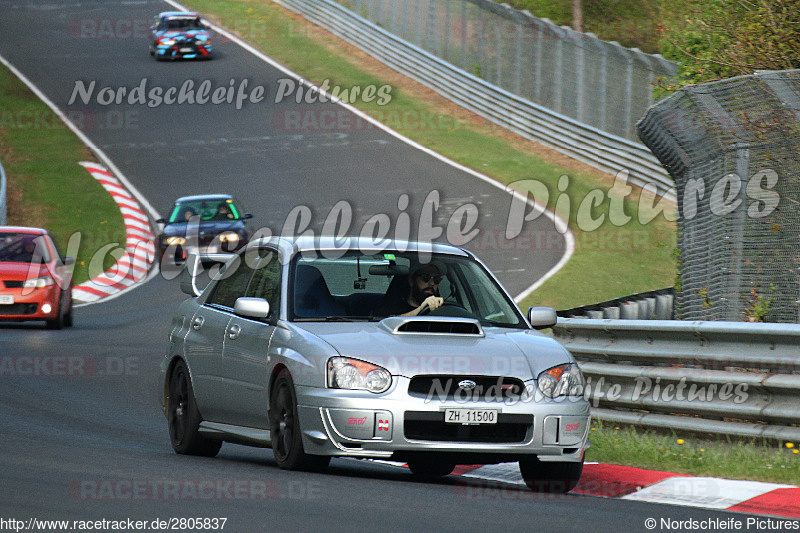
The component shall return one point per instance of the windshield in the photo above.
(22, 248)
(371, 287)
(181, 24)
(207, 209)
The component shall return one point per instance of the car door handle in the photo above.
(234, 331)
(198, 322)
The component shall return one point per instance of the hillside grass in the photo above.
(46, 186)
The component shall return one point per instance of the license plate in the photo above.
(470, 416)
(185, 50)
(6, 299)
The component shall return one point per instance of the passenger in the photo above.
(188, 213)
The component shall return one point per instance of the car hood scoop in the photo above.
(432, 325)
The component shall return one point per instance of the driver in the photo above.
(423, 291)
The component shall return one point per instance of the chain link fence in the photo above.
(733, 148)
(598, 83)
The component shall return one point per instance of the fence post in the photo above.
(580, 75)
(628, 125)
(559, 70)
(741, 164)
(3, 189)
(602, 89)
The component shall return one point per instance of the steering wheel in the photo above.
(447, 309)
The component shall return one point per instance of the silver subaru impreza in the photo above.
(404, 351)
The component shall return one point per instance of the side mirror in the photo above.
(69, 261)
(247, 216)
(542, 317)
(251, 307)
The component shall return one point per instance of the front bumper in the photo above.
(394, 425)
(184, 50)
(30, 306)
(177, 253)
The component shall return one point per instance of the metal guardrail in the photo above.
(651, 305)
(2, 196)
(590, 145)
(728, 378)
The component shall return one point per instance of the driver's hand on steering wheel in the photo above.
(432, 303)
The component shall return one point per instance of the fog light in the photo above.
(46, 308)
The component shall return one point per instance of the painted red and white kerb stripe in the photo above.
(629, 483)
(140, 248)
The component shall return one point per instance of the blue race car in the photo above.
(179, 34)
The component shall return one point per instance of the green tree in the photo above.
(715, 39)
(632, 23)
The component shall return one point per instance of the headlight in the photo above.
(173, 241)
(229, 237)
(562, 380)
(346, 373)
(38, 283)
(167, 42)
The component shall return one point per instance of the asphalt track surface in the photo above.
(81, 432)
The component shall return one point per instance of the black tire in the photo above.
(558, 477)
(184, 418)
(287, 443)
(68, 322)
(430, 467)
(58, 322)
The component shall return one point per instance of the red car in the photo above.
(35, 281)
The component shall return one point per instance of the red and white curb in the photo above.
(140, 249)
(629, 483)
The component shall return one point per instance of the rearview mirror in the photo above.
(388, 270)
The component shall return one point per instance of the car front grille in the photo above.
(18, 309)
(13, 284)
(428, 426)
(446, 387)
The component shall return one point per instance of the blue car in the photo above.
(180, 35)
(203, 224)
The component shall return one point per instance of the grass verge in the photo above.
(46, 186)
(751, 459)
